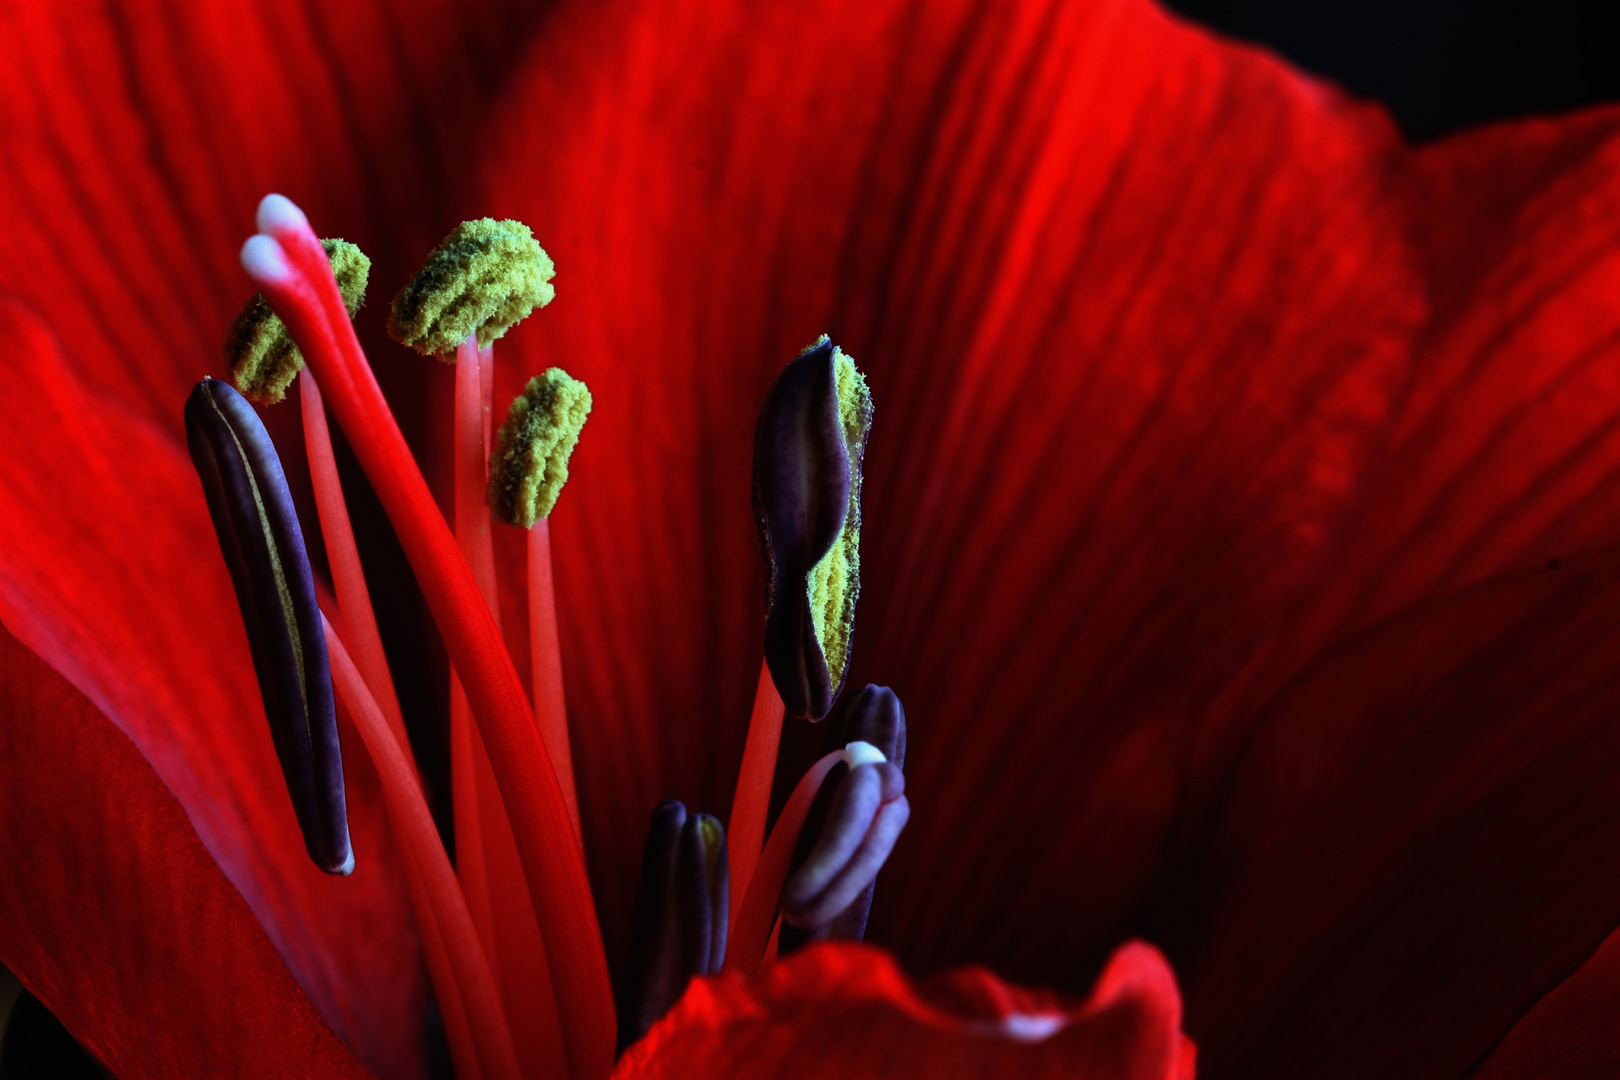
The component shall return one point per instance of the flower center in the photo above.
(510, 931)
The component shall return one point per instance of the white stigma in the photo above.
(278, 213)
(857, 754)
(264, 260)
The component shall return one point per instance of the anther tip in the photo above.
(264, 260)
(278, 213)
(859, 753)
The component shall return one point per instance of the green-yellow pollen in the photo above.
(530, 463)
(835, 581)
(259, 352)
(485, 278)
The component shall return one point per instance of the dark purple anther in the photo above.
(807, 484)
(264, 549)
(847, 836)
(678, 929)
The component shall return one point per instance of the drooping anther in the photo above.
(808, 447)
(679, 926)
(851, 828)
(529, 464)
(485, 278)
(259, 351)
(263, 547)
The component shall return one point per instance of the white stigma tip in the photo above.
(264, 260)
(857, 754)
(277, 212)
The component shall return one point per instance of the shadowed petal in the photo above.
(1419, 840)
(110, 572)
(119, 918)
(1570, 1034)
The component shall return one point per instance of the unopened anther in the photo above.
(263, 547)
(680, 920)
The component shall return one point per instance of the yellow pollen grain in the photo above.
(530, 463)
(486, 277)
(259, 351)
(835, 581)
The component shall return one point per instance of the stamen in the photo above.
(488, 863)
(527, 470)
(484, 279)
(678, 930)
(309, 302)
(259, 352)
(457, 962)
(808, 448)
(873, 716)
(263, 546)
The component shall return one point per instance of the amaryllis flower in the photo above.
(1238, 526)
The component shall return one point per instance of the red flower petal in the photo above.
(1419, 839)
(1570, 1034)
(1133, 305)
(843, 1010)
(1505, 449)
(117, 917)
(109, 571)
(140, 140)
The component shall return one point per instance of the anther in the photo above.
(485, 278)
(529, 465)
(263, 547)
(259, 351)
(808, 447)
(679, 926)
(871, 725)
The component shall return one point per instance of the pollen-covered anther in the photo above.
(259, 351)
(484, 279)
(529, 464)
(679, 925)
(808, 448)
(263, 548)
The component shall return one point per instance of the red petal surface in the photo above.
(1571, 1033)
(110, 572)
(1505, 449)
(1133, 306)
(843, 1010)
(1419, 841)
(117, 916)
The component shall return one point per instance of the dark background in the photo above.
(1440, 66)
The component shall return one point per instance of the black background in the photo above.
(1440, 65)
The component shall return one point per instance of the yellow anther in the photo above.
(835, 581)
(530, 463)
(486, 277)
(259, 352)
